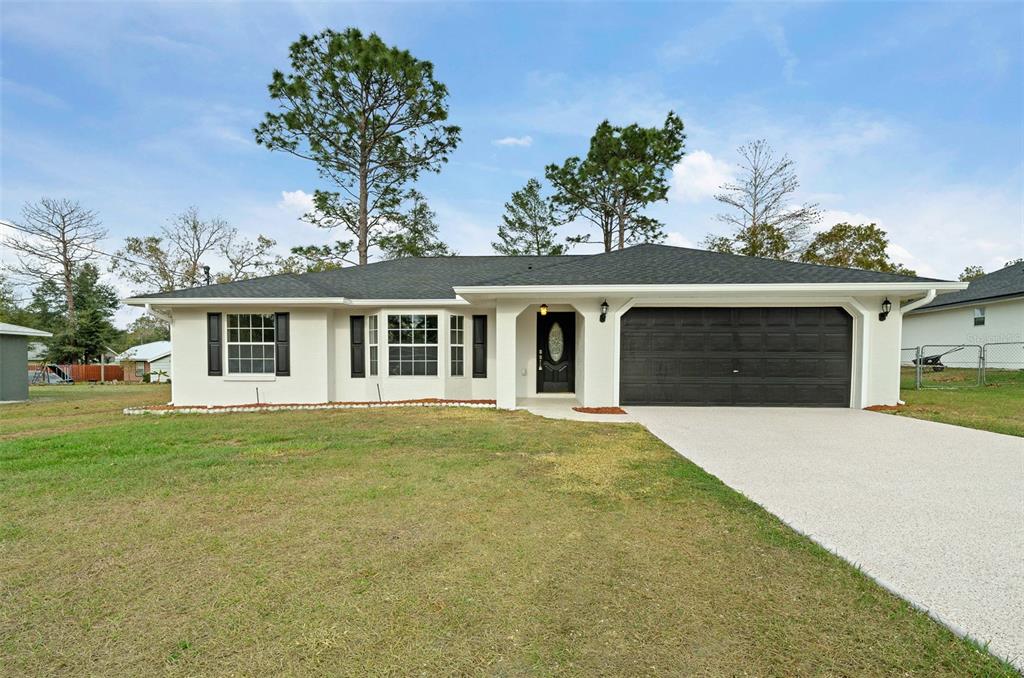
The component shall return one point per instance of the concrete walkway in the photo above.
(933, 512)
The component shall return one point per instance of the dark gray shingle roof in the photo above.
(665, 265)
(411, 278)
(1006, 282)
(435, 277)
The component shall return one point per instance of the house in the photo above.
(14, 360)
(647, 325)
(990, 310)
(153, 359)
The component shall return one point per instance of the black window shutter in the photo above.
(282, 353)
(358, 350)
(479, 346)
(214, 368)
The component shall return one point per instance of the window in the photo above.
(251, 343)
(374, 342)
(412, 345)
(979, 316)
(458, 345)
(140, 369)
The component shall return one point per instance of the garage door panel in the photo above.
(778, 342)
(749, 341)
(736, 356)
(804, 342)
(723, 342)
(835, 343)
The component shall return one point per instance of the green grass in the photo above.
(410, 541)
(953, 398)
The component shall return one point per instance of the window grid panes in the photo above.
(458, 349)
(412, 345)
(250, 343)
(374, 340)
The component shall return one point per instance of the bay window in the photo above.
(412, 345)
(457, 339)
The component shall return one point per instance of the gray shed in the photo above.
(14, 360)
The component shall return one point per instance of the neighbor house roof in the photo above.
(1004, 283)
(436, 277)
(8, 328)
(147, 352)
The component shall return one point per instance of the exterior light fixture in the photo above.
(543, 309)
(604, 310)
(886, 307)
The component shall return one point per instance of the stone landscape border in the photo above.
(281, 407)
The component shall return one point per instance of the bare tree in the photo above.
(54, 237)
(765, 223)
(175, 258)
(246, 258)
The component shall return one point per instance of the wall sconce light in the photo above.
(886, 307)
(604, 310)
(543, 309)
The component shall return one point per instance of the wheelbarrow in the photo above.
(935, 361)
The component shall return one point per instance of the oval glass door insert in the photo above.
(556, 342)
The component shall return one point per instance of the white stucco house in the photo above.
(650, 324)
(990, 310)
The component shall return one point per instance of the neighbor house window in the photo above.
(251, 343)
(457, 324)
(979, 316)
(140, 369)
(412, 345)
(374, 342)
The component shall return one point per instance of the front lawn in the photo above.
(996, 406)
(410, 541)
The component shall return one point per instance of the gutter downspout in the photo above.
(166, 318)
(926, 299)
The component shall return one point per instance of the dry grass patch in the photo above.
(438, 542)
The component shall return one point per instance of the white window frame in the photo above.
(979, 314)
(265, 346)
(373, 342)
(457, 345)
(397, 341)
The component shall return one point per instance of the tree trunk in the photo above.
(364, 227)
(69, 291)
(608, 230)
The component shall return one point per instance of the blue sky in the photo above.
(910, 115)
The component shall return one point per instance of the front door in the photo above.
(556, 343)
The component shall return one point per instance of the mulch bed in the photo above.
(882, 408)
(600, 410)
(277, 407)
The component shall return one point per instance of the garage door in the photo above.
(736, 356)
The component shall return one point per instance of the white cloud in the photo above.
(514, 141)
(677, 239)
(297, 201)
(830, 218)
(698, 176)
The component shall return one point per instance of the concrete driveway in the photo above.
(934, 512)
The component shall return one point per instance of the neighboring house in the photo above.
(648, 325)
(153, 359)
(14, 360)
(990, 310)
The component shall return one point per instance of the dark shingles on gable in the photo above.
(666, 265)
(1006, 282)
(435, 277)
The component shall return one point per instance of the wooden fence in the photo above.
(87, 373)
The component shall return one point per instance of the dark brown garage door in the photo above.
(736, 356)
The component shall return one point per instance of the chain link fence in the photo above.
(962, 365)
